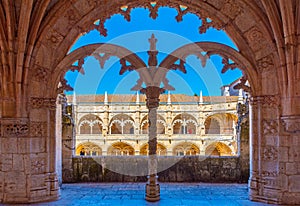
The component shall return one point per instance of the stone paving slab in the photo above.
(132, 194)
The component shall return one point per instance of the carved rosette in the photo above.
(40, 74)
(38, 165)
(270, 153)
(54, 38)
(265, 63)
(42, 103)
(270, 127)
(231, 8)
(291, 123)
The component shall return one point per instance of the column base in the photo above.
(152, 193)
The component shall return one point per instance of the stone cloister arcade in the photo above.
(182, 129)
(35, 37)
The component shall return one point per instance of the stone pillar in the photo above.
(28, 155)
(152, 187)
(272, 180)
(68, 144)
(105, 128)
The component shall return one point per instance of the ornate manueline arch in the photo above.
(33, 44)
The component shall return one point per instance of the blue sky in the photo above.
(134, 36)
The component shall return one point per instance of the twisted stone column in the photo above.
(152, 187)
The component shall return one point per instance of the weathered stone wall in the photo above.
(170, 169)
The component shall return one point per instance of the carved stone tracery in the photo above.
(41, 103)
(270, 101)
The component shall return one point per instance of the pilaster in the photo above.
(272, 155)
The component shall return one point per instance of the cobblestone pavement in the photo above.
(132, 194)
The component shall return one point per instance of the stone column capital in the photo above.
(152, 94)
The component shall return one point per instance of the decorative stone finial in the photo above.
(169, 98)
(200, 98)
(137, 98)
(105, 98)
(74, 99)
(152, 41)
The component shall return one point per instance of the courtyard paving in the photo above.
(132, 194)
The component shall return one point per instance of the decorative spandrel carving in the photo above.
(41, 103)
(270, 153)
(270, 127)
(266, 63)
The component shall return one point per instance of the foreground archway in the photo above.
(33, 45)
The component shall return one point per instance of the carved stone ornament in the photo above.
(14, 127)
(37, 129)
(38, 165)
(40, 74)
(291, 123)
(54, 38)
(152, 94)
(255, 38)
(266, 63)
(230, 8)
(270, 127)
(41, 103)
(270, 153)
(265, 101)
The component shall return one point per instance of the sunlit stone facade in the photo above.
(118, 125)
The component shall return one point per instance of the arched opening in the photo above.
(117, 126)
(122, 124)
(160, 125)
(218, 149)
(212, 126)
(88, 149)
(90, 124)
(161, 150)
(184, 124)
(186, 149)
(120, 148)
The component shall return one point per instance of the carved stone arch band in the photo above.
(100, 48)
(211, 48)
